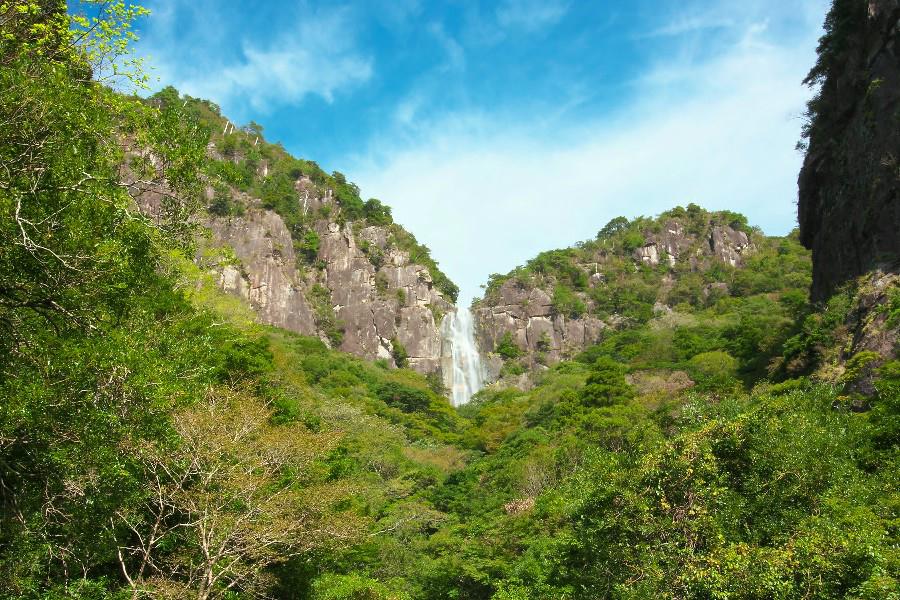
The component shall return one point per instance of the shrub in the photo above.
(714, 370)
(224, 203)
(404, 397)
(507, 347)
(377, 213)
(326, 321)
(352, 587)
(567, 303)
(309, 246)
(401, 356)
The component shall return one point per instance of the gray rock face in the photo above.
(376, 305)
(374, 293)
(527, 315)
(728, 245)
(647, 254)
(849, 187)
(267, 277)
(403, 308)
(725, 244)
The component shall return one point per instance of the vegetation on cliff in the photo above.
(242, 161)
(156, 442)
(743, 297)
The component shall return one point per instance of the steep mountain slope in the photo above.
(308, 254)
(665, 269)
(849, 204)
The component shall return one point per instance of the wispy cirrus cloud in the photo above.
(310, 56)
(530, 15)
(456, 56)
(684, 24)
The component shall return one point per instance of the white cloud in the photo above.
(487, 193)
(684, 24)
(456, 56)
(314, 56)
(530, 15)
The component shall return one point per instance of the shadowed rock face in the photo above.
(849, 209)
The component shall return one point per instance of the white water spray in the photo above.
(464, 374)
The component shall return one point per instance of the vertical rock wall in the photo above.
(376, 305)
(849, 205)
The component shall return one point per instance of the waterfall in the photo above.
(463, 370)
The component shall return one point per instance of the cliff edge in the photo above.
(848, 208)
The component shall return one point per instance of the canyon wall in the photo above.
(849, 206)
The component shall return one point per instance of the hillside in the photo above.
(303, 248)
(692, 273)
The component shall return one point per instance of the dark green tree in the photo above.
(606, 384)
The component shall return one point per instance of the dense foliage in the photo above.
(152, 439)
(156, 443)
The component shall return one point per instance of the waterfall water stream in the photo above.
(466, 372)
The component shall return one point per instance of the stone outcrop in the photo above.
(849, 206)
(376, 302)
(396, 301)
(375, 295)
(524, 312)
(265, 273)
(870, 325)
(726, 244)
(528, 317)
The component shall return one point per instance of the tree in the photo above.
(606, 384)
(507, 347)
(377, 213)
(714, 370)
(398, 352)
(254, 128)
(69, 229)
(84, 280)
(225, 503)
(615, 226)
(309, 246)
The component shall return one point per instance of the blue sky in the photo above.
(500, 129)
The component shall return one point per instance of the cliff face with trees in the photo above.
(849, 204)
(659, 270)
(303, 249)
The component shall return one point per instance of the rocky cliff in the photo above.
(849, 207)
(566, 300)
(308, 255)
(361, 294)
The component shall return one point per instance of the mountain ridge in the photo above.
(683, 261)
(307, 253)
